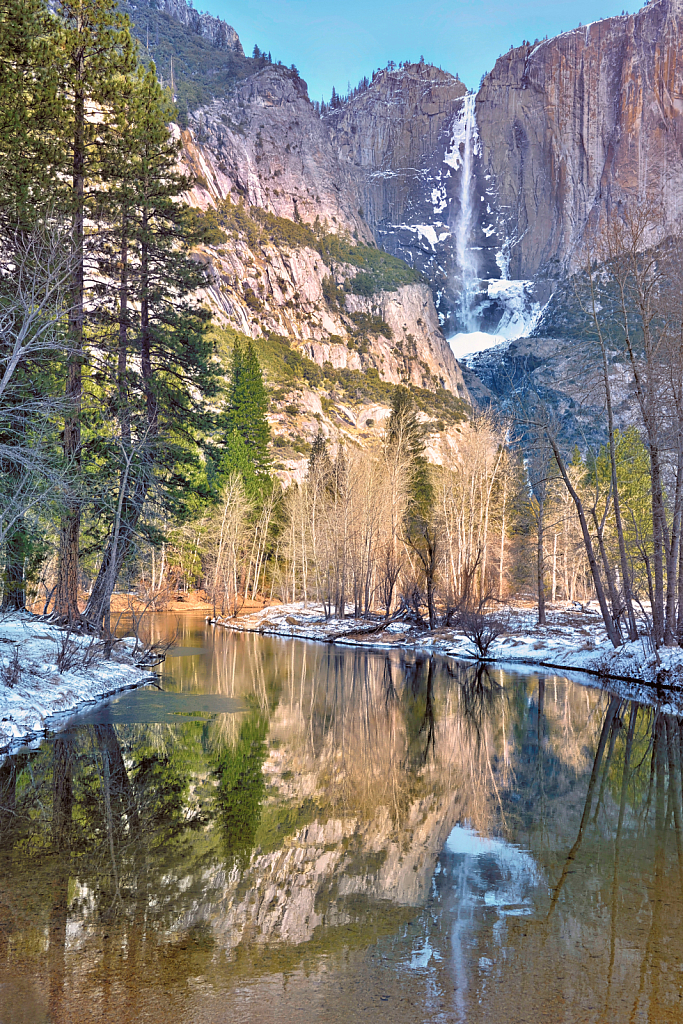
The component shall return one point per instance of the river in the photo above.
(290, 832)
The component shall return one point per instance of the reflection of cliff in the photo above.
(498, 836)
(373, 760)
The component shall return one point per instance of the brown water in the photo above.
(293, 833)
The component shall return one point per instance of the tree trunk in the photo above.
(595, 569)
(501, 562)
(554, 590)
(609, 576)
(66, 596)
(14, 584)
(540, 582)
(659, 534)
(672, 555)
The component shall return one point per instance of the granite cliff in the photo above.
(487, 198)
(264, 160)
(574, 124)
(406, 140)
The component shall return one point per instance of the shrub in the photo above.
(252, 300)
(378, 270)
(10, 670)
(370, 323)
(482, 628)
(333, 295)
(68, 651)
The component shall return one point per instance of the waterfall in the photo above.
(466, 146)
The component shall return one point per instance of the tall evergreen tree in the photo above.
(97, 53)
(31, 147)
(31, 151)
(405, 430)
(159, 369)
(247, 407)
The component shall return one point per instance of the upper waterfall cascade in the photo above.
(466, 145)
(517, 311)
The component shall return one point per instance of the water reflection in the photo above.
(358, 836)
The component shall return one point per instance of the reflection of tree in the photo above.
(597, 764)
(8, 796)
(62, 810)
(419, 712)
(614, 896)
(241, 788)
(479, 694)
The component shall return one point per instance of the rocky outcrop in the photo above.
(571, 126)
(265, 143)
(215, 30)
(279, 290)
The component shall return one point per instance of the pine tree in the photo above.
(247, 408)
(319, 464)
(159, 370)
(31, 150)
(97, 54)
(237, 459)
(405, 431)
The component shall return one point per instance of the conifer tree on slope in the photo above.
(158, 366)
(405, 430)
(247, 407)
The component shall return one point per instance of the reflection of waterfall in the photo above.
(483, 882)
(466, 134)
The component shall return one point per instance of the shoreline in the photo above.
(571, 641)
(47, 673)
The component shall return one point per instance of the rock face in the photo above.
(564, 129)
(264, 146)
(218, 32)
(405, 139)
(265, 143)
(574, 124)
(503, 188)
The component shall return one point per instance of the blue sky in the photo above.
(337, 43)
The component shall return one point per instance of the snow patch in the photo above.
(521, 313)
(439, 201)
(426, 231)
(38, 689)
(468, 344)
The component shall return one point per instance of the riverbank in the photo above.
(47, 671)
(573, 640)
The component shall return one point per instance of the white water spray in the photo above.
(465, 147)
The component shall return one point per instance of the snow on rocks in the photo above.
(46, 671)
(572, 640)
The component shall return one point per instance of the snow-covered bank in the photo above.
(45, 671)
(572, 640)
